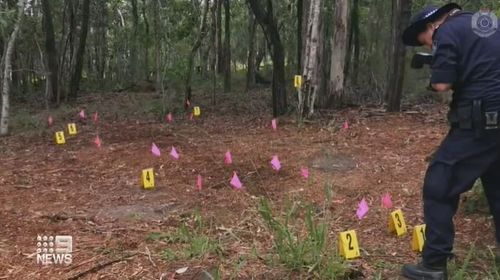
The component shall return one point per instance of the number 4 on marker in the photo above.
(148, 178)
(348, 245)
(418, 240)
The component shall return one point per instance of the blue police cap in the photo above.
(421, 19)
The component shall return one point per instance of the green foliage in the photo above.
(466, 269)
(475, 200)
(195, 243)
(308, 252)
(7, 18)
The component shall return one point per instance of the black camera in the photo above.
(420, 59)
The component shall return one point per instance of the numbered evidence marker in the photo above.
(397, 222)
(348, 245)
(297, 81)
(418, 240)
(60, 138)
(196, 111)
(72, 129)
(148, 178)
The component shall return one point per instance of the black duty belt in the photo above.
(474, 117)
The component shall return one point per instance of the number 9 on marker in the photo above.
(348, 245)
(148, 178)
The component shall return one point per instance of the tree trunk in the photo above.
(355, 33)
(157, 38)
(252, 24)
(213, 46)
(227, 47)
(133, 66)
(265, 18)
(77, 73)
(50, 49)
(400, 18)
(102, 45)
(146, 47)
(339, 55)
(197, 44)
(7, 72)
(312, 56)
(63, 46)
(299, 34)
(218, 42)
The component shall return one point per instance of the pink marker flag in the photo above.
(345, 125)
(228, 159)
(82, 114)
(97, 141)
(387, 201)
(304, 172)
(173, 153)
(275, 163)
(199, 182)
(235, 181)
(95, 117)
(191, 117)
(362, 209)
(274, 125)
(155, 150)
(50, 121)
(169, 118)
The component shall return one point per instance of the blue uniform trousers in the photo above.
(460, 160)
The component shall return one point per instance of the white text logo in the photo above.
(54, 250)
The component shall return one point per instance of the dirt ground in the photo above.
(95, 194)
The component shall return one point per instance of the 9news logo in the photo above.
(54, 250)
(484, 23)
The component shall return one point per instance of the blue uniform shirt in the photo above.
(469, 62)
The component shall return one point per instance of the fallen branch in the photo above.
(63, 217)
(148, 254)
(100, 266)
(23, 187)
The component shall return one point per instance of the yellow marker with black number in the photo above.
(348, 245)
(418, 239)
(148, 178)
(196, 111)
(60, 138)
(297, 81)
(72, 129)
(397, 223)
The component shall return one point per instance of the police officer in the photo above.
(466, 59)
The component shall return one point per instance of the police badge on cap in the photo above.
(418, 22)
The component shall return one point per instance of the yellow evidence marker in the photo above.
(297, 81)
(60, 138)
(418, 240)
(397, 223)
(348, 245)
(72, 129)
(196, 111)
(148, 178)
